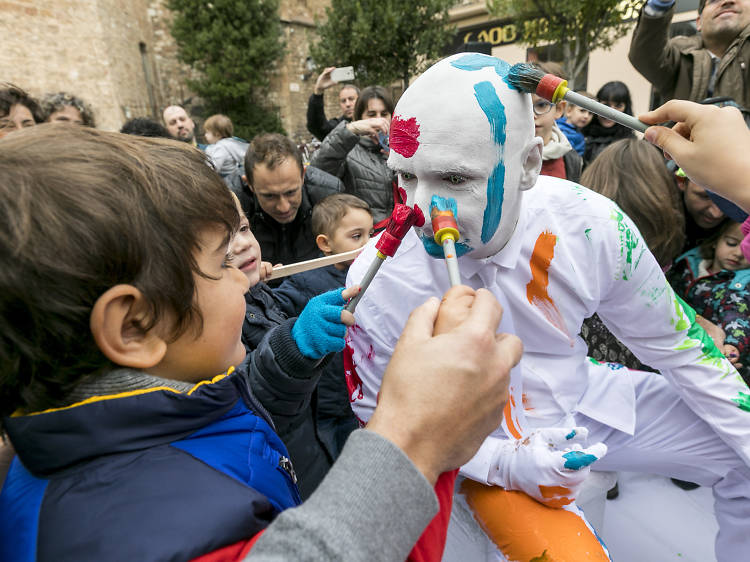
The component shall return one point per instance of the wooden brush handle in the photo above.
(299, 267)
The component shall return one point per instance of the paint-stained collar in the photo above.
(508, 256)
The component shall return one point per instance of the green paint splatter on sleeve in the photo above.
(628, 243)
(587, 232)
(743, 401)
(697, 336)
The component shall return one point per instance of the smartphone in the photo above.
(342, 74)
(383, 141)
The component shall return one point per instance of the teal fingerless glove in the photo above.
(318, 330)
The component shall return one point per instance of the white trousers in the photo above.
(670, 440)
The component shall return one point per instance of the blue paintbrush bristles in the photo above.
(524, 77)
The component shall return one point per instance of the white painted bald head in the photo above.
(462, 138)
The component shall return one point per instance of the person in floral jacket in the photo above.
(713, 278)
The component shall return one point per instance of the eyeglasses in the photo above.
(542, 107)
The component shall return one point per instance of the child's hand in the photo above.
(733, 354)
(265, 270)
(321, 327)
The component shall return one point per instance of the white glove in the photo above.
(550, 465)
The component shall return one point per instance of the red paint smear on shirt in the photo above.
(353, 382)
(404, 136)
(536, 289)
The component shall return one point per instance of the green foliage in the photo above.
(577, 26)
(234, 45)
(384, 40)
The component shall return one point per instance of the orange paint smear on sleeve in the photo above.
(536, 289)
(524, 530)
(508, 415)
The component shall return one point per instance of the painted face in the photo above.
(68, 114)
(462, 139)
(727, 253)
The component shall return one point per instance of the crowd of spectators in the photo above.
(292, 212)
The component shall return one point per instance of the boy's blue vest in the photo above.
(144, 475)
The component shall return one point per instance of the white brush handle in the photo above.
(605, 111)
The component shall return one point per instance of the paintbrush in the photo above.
(402, 219)
(446, 234)
(527, 78)
(299, 267)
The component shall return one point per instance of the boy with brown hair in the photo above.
(340, 223)
(118, 307)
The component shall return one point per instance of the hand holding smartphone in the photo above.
(342, 74)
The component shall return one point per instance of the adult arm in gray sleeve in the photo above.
(331, 156)
(373, 505)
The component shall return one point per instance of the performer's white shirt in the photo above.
(600, 264)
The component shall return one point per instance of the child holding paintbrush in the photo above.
(316, 332)
(340, 223)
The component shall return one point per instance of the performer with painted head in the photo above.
(462, 138)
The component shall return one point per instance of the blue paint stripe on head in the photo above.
(494, 110)
(478, 61)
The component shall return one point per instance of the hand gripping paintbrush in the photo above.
(446, 234)
(402, 219)
(529, 79)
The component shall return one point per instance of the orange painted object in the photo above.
(555, 496)
(525, 530)
(444, 226)
(536, 289)
(509, 421)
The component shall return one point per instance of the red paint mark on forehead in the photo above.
(404, 136)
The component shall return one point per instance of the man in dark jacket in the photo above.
(712, 63)
(278, 196)
(317, 123)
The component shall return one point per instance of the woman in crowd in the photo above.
(602, 132)
(356, 152)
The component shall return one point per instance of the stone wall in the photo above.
(99, 50)
(119, 56)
